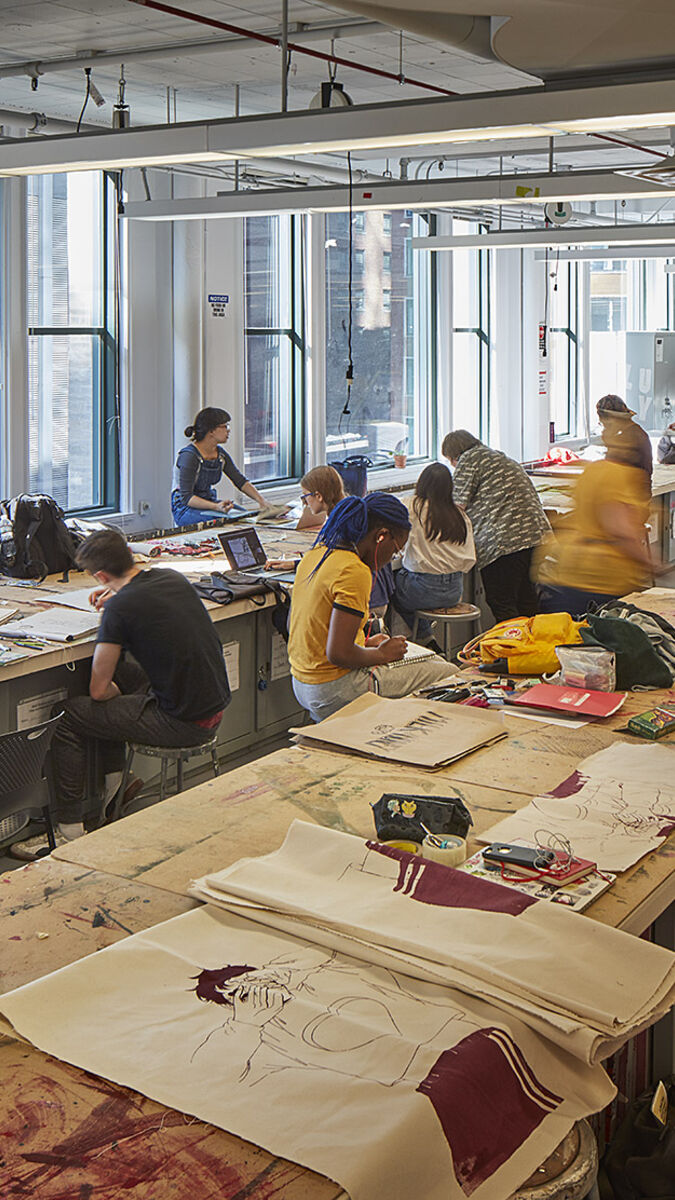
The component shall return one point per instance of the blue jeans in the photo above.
(554, 598)
(184, 515)
(416, 589)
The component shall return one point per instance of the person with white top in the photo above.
(439, 551)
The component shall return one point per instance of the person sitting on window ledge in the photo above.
(331, 660)
(175, 696)
(438, 553)
(200, 467)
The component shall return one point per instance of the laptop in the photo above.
(245, 552)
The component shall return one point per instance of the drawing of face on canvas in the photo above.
(365, 1028)
(292, 1016)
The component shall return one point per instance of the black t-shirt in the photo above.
(160, 619)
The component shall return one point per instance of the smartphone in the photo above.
(505, 854)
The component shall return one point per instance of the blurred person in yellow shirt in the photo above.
(601, 550)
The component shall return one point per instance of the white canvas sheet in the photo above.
(391, 1086)
(584, 985)
(618, 806)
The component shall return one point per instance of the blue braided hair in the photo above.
(350, 520)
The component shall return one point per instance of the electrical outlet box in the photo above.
(144, 507)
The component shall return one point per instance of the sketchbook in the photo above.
(54, 625)
(414, 653)
(78, 598)
(570, 700)
(423, 733)
(577, 896)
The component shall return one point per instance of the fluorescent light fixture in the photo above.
(524, 113)
(601, 252)
(390, 195)
(599, 235)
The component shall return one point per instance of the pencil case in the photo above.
(653, 724)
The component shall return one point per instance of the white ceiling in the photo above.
(205, 83)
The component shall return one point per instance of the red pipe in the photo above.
(294, 46)
(605, 137)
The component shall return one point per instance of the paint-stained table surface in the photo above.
(68, 1136)
(71, 1135)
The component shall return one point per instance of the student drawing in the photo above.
(315, 1012)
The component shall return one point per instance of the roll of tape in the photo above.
(451, 852)
(411, 847)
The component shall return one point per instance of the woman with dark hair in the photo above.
(201, 466)
(439, 550)
(507, 517)
(331, 660)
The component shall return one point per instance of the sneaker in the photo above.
(432, 644)
(35, 847)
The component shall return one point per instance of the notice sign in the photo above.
(219, 303)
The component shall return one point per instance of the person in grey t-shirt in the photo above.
(201, 466)
(507, 517)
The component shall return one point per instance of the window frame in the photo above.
(571, 332)
(483, 333)
(106, 450)
(296, 332)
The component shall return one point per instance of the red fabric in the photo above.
(210, 722)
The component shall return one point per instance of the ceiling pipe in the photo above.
(172, 11)
(319, 32)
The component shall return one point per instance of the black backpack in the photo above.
(34, 538)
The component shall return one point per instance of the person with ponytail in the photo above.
(332, 662)
(200, 467)
(439, 551)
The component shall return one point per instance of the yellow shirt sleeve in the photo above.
(351, 587)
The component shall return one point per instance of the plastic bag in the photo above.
(587, 667)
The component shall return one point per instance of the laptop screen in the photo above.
(243, 548)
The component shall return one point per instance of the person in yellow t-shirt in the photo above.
(602, 549)
(332, 662)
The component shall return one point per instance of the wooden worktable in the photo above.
(72, 1135)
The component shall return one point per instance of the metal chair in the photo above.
(22, 772)
(447, 617)
(167, 754)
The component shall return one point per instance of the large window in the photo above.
(72, 417)
(274, 329)
(563, 321)
(470, 335)
(392, 396)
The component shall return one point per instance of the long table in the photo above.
(262, 706)
(72, 1135)
(85, 1134)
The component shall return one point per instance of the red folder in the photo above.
(576, 702)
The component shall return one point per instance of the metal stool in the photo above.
(177, 754)
(569, 1173)
(448, 617)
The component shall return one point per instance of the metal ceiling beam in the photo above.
(662, 234)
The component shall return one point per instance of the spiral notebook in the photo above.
(413, 654)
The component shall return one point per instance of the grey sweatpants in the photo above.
(323, 699)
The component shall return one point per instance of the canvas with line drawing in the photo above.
(615, 808)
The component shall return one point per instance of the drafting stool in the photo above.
(447, 618)
(177, 754)
(24, 783)
(569, 1173)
